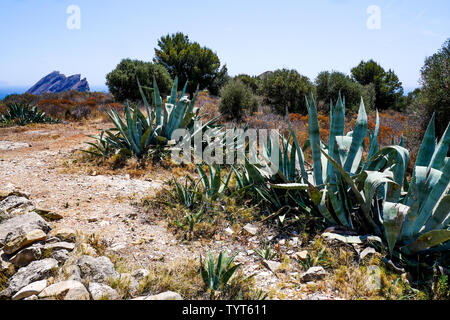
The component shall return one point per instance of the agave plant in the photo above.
(23, 114)
(217, 273)
(139, 133)
(187, 194)
(213, 183)
(374, 195)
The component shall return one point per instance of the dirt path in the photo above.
(30, 159)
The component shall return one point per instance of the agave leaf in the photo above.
(439, 156)
(314, 137)
(435, 193)
(427, 240)
(337, 124)
(359, 133)
(393, 217)
(440, 215)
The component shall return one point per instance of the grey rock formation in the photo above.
(57, 82)
(97, 269)
(35, 271)
(21, 224)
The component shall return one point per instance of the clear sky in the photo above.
(250, 36)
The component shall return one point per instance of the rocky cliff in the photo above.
(57, 82)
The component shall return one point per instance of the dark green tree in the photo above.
(388, 88)
(252, 82)
(188, 60)
(330, 84)
(122, 81)
(236, 98)
(286, 88)
(436, 86)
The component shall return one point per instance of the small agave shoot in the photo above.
(138, 134)
(23, 114)
(216, 273)
(374, 195)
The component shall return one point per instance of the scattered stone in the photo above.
(228, 231)
(10, 190)
(100, 291)
(302, 255)
(73, 272)
(22, 224)
(366, 251)
(25, 256)
(14, 205)
(9, 145)
(118, 246)
(140, 274)
(61, 256)
(69, 289)
(36, 270)
(168, 295)
(15, 243)
(6, 267)
(48, 215)
(350, 238)
(272, 265)
(65, 234)
(32, 289)
(92, 219)
(253, 230)
(294, 242)
(96, 269)
(314, 274)
(59, 246)
(33, 297)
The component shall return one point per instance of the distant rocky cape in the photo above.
(56, 82)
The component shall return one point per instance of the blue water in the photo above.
(4, 91)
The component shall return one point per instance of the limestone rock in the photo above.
(57, 82)
(302, 255)
(253, 230)
(69, 289)
(36, 270)
(101, 291)
(272, 265)
(25, 256)
(15, 204)
(65, 234)
(314, 274)
(48, 215)
(15, 243)
(32, 289)
(61, 256)
(59, 246)
(22, 224)
(6, 267)
(168, 295)
(96, 269)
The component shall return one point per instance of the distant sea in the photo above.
(5, 91)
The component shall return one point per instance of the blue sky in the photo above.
(250, 36)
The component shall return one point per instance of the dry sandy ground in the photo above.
(30, 159)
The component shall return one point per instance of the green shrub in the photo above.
(122, 80)
(188, 61)
(286, 88)
(236, 98)
(22, 114)
(388, 88)
(435, 91)
(330, 84)
(250, 81)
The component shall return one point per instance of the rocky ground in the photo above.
(50, 218)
